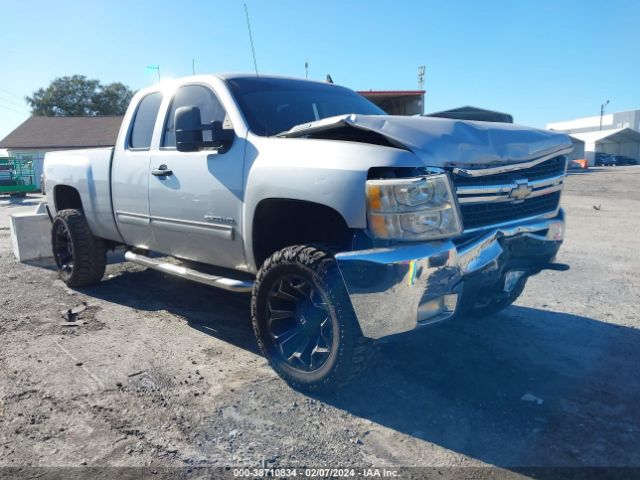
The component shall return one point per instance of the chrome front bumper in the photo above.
(399, 288)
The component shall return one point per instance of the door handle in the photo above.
(162, 171)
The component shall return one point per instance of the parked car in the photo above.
(624, 160)
(605, 159)
(345, 224)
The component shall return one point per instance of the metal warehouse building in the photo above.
(397, 102)
(615, 133)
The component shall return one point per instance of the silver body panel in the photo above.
(89, 172)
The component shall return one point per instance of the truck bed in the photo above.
(89, 172)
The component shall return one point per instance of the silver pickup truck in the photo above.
(345, 224)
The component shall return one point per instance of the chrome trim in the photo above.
(507, 198)
(480, 172)
(489, 189)
(229, 284)
(177, 225)
(132, 218)
(478, 253)
(387, 285)
(189, 226)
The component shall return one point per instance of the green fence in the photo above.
(17, 176)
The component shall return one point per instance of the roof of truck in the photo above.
(40, 133)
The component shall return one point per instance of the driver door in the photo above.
(196, 209)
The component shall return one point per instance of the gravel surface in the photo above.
(155, 371)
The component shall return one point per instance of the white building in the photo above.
(615, 133)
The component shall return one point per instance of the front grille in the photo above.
(483, 214)
(550, 168)
(488, 200)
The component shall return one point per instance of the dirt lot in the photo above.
(162, 372)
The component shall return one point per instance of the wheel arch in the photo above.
(66, 197)
(282, 222)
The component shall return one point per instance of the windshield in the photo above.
(275, 105)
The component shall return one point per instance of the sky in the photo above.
(541, 61)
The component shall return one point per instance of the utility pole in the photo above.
(193, 66)
(421, 73)
(602, 111)
(306, 68)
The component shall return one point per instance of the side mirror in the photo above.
(189, 128)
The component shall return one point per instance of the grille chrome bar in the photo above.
(514, 167)
(502, 192)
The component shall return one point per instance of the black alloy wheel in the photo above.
(299, 323)
(63, 248)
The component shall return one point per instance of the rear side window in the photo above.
(144, 121)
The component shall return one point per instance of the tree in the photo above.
(80, 96)
(113, 99)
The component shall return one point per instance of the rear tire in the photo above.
(80, 256)
(304, 322)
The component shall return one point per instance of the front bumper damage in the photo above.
(399, 288)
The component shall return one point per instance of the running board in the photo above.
(229, 284)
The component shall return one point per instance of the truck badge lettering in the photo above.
(219, 219)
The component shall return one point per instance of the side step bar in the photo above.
(190, 274)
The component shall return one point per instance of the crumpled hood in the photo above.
(443, 142)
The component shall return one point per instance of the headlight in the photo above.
(409, 209)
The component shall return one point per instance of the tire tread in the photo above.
(90, 252)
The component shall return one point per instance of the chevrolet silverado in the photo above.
(345, 224)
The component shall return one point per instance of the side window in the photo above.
(144, 121)
(211, 110)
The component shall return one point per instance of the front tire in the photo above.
(80, 256)
(304, 322)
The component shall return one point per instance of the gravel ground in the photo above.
(164, 373)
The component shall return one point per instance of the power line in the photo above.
(23, 110)
(11, 93)
(13, 105)
(8, 100)
(14, 110)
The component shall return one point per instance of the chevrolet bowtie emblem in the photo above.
(521, 191)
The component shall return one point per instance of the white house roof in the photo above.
(615, 135)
